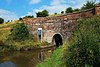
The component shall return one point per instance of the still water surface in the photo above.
(24, 58)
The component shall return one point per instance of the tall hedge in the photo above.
(84, 45)
(19, 32)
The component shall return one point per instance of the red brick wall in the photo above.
(97, 9)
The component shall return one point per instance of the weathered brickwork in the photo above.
(97, 8)
(62, 25)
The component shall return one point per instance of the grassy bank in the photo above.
(10, 45)
(9, 24)
(7, 43)
(55, 60)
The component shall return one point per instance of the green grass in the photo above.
(55, 60)
(9, 44)
(9, 24)
(53, 15)
(4, 34)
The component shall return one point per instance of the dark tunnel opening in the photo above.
(57, 39)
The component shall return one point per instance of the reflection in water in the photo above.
(7, 64)
(24, 58)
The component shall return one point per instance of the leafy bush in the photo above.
(84, 46)
(69, 10)
(88, 5)
(19, 32)
(1, 20)
(1, 43)
(43, 13)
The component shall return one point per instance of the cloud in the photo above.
(34, 1)
(29, 14)
(8, 15)
(56, 6)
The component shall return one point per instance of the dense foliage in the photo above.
(76, 10)
(88, 5)
(69, 10)
(43, 13)
(84, 46)
(29, 16)
(19, 32)
(1, 20)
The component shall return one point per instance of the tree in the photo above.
(29, 16)
(19, 32)
(1, 20)
(62, 12)
(88, 5)
(39, 14)
(69, 10)
(55, 13)
(20, 18)
(43, 13)
(76, 10)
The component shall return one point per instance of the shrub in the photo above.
(1, 20)
(1, 43)
(84, 49)
(69, 10)
(88, 5)
(19, 32)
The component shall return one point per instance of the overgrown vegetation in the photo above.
(84, 46)
(43, 13)
(69, 10)
(9, 24)
(88, 5)
(18, 38)
(55, 60)
(19, 32)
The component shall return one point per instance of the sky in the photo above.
(14, 9)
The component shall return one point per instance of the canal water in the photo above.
(24, 58)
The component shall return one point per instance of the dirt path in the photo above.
(6, 28)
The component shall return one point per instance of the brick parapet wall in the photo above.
(85, 14)
(63, 24)
(97, 10)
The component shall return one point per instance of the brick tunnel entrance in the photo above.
(57, 39)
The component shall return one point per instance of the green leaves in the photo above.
(1, 20)
(88, 5)
(44, 13)
(69, 10)
(84, 49)
(19, 32)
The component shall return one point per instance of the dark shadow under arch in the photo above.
(57, 39)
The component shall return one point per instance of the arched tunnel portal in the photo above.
(57, 40)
